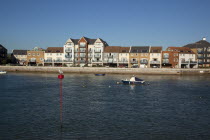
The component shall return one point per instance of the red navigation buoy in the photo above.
(61, 76)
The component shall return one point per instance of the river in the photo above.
(95, 107)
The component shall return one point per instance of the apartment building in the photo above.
(19, 57)
(84, 51)
(3, 54)
(202, 50)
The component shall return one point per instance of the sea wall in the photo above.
(105, 70)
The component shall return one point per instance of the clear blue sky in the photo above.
(25, 24)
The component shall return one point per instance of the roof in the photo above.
(89, 41)
(54, 50)
(112, 49)
(124, 49)
(139, 49)
(180, 50)
(2, 47)
(199, 44)
(19, 52)
(155, 49)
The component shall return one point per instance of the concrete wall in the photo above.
(105, 70)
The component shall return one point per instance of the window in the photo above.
(38, 54)
(33, 54)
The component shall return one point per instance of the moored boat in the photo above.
(3, 72)
(133, 80)
(100, 74)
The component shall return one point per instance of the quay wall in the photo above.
(105, 70)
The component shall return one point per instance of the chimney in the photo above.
(204, 38)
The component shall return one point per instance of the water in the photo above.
(94, 107)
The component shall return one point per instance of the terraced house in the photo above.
(54, 56)
(84, 51)
(19, 57)
(202, 51)
(139, 56)
(35, 57)
(155, 57)
(3, 54)
(124, 56)
(111, 56)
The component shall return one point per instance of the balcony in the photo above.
(97, 56)
(143, 62)
(68, 60)
(200, 57)
(68, 56)
(82, 50)
(165, 56)
(134, 62)
(90, 56)
(110, 56)
(76, 56)
(200, 62)
(154, 62)
(189, 62)
(48, 61)
(82, 61)
(83, 56)
(68, 50)
(97, 51)
(123, 62)
(58, 61)
(200, 51)
(97, 61)
(165, 62)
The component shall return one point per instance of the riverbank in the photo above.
(104, 70)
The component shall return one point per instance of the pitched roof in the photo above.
(199, 44)
(54, 50)
(180, 50)
(112, 49)
(139, 49)
(155, 49)
(19, 52)
(2, 47)
(124, 49)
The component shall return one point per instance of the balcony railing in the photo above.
(124, 61)
(58, 60)
(165, 62)
(189, 62)
(154, 62)
(90, 55)
(68, 50)
(48, 61)
(143, 61)
(97, 51)
(97, 56)
(110, 56)
(134, 62)
(82, 50)
(76, 56)
(82, 55)
(70, 60)
(68, 56)
(200, 57)
(200, 51)
(96, 60)
(165, 56)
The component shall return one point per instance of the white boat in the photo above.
(133, 80)
(3, 72)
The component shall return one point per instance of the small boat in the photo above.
(133, 80)
(100, 74)
(3, 72)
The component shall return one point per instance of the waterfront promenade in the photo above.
(105, 70)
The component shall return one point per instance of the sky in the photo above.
(25, 24)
